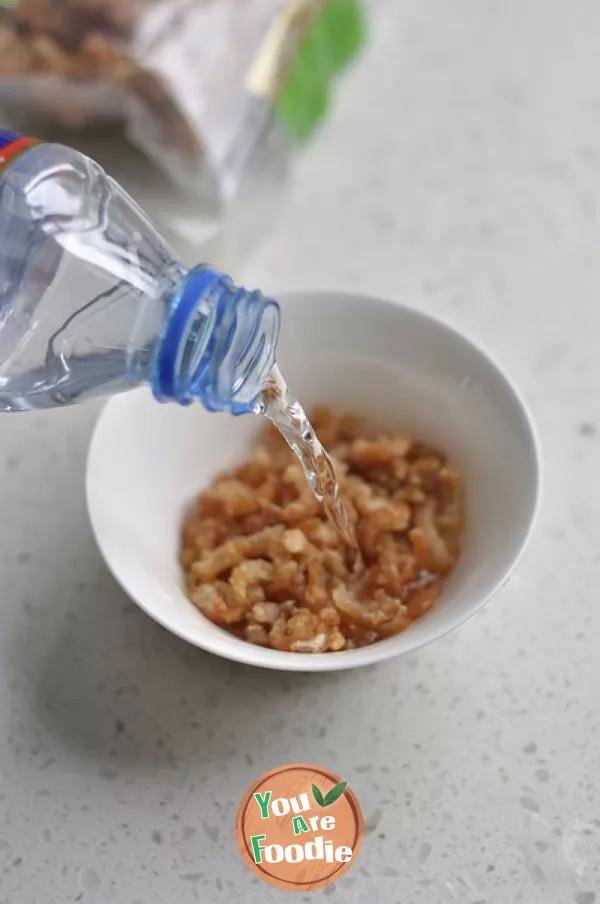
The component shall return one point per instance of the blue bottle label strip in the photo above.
(12, 144)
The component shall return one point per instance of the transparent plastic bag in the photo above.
(203, 87)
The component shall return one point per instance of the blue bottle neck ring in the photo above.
(218, 345)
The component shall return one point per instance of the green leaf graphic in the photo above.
(318, 796)
(333, 794)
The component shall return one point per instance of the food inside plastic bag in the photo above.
(201, 85)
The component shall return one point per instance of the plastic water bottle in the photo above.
(94, 302)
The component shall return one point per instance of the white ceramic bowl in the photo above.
(377, 359)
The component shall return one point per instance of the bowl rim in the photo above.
(279, 660)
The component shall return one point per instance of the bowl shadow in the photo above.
(114, 688)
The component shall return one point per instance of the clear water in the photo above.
(81, 271)
(88, 286)
(286, 413)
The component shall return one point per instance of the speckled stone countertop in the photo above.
(459, 172)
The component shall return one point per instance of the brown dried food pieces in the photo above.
(52, 35)
(87, 42)
(261, 560)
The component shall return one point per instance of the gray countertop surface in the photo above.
(459, 172)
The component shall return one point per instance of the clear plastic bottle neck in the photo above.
(218, 344)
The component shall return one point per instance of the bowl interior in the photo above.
(376, 359)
